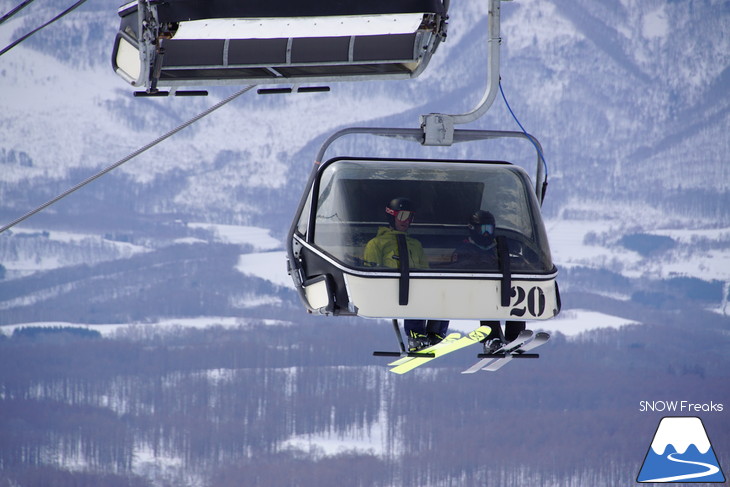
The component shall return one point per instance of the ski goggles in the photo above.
(400, 215)
(486, 228)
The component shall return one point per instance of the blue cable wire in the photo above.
(537, 147)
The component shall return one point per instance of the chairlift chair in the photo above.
(181, 43)
(343, 207)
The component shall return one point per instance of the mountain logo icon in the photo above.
(680, 452)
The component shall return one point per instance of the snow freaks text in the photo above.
(680, 407)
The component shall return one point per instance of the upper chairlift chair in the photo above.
(182, 43)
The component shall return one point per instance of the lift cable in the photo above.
(126, 158)
(15, 10)
(62, 14)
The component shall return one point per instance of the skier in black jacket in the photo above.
(479, 252)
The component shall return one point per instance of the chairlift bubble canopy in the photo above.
(178, 43)
(345, 207)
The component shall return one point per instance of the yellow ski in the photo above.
(448, 345)
(450, 338)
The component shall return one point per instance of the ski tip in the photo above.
(480, 333)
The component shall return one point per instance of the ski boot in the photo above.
(491, 345)
(417, 341)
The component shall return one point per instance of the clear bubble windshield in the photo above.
(352, 225)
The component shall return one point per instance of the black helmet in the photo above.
(481, 228)
(400, 208)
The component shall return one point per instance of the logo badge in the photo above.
(680, 452)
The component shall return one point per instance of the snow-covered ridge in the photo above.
(259, 238)
(702, 253)
(270, 266)
(574, 322)
(26, 250)
(141, 330)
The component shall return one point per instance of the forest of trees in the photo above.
(222, 406)
(216, 407)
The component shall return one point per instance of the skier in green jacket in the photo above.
(382, 251)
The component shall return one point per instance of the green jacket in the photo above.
(382, 250)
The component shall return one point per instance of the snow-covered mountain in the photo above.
(629, 100)
(620, 94)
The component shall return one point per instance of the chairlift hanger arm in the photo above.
(438, 128)
(494, 42)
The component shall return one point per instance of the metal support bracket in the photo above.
(438, 128)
